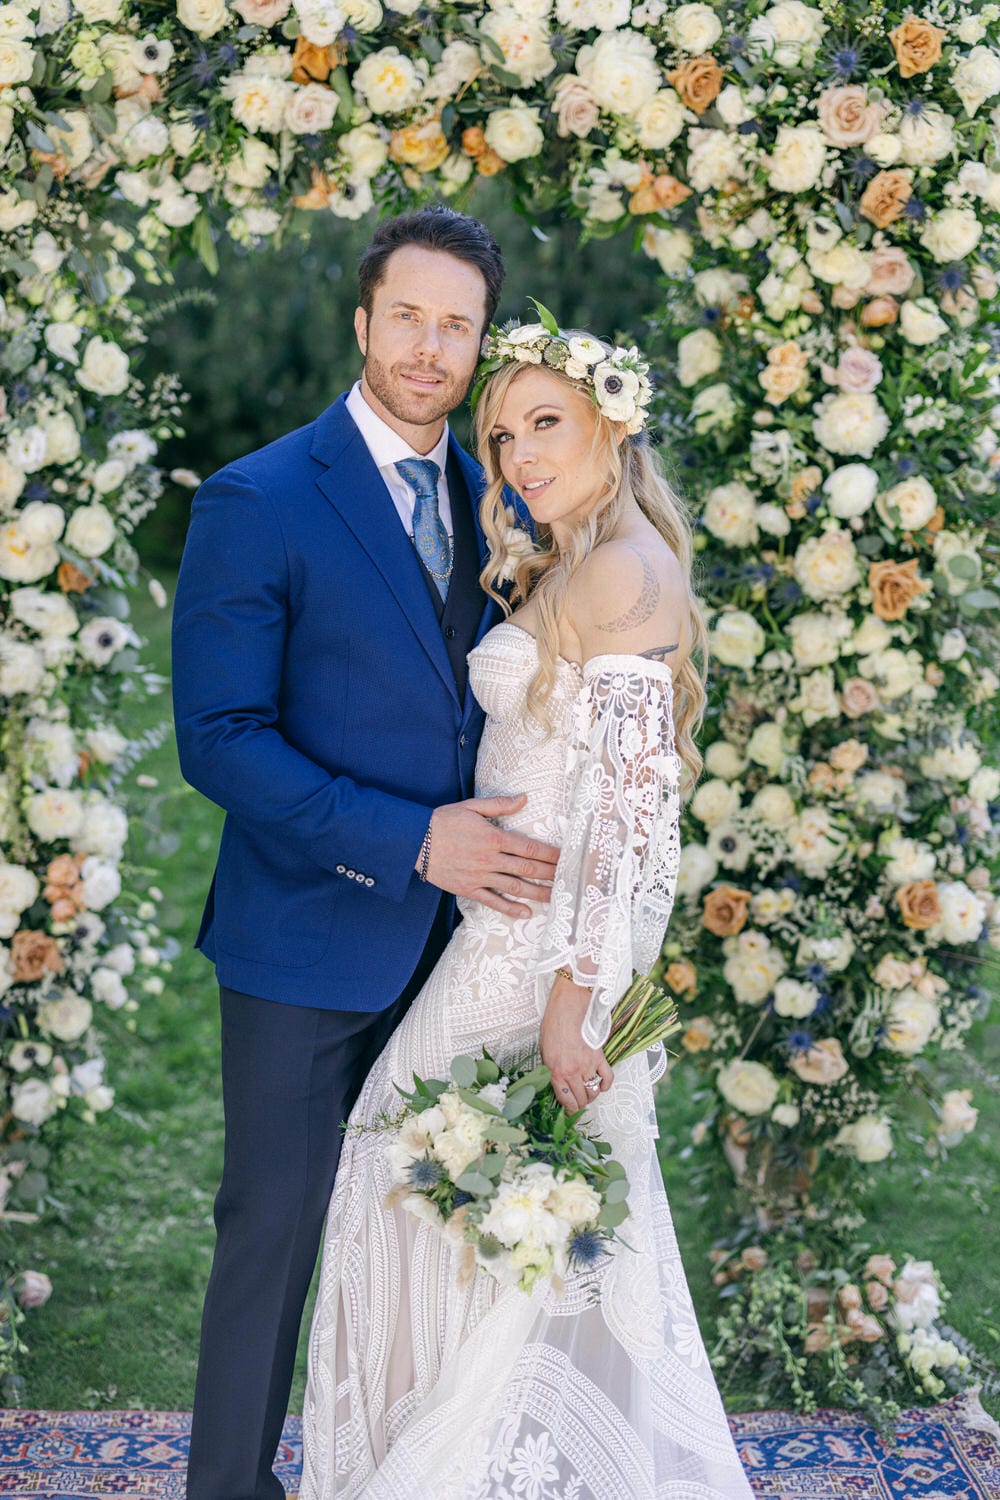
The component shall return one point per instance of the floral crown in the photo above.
(619, 378)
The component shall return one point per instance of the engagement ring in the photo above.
(593, 1083)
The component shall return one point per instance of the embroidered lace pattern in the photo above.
(424, 1389)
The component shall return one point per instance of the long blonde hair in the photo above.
(629, 468)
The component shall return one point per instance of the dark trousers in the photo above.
(290, 1076)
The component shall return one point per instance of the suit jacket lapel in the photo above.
(353, 485)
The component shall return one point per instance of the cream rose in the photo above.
(203, 17)
(699, 354)
(851, 423)
(766, 746)
(715, 802)
(104, 368)
(817, 638)
(963, 914)
(259, 100)
(774, 805)
(91, 530)
(909, 504)
(730, 514)
(798, 158)
(723, 759)
(795, 998)
(749, 1087)
(952, 234)
(826, 566)
(693, 28)
(737, 639)
(515, 133)
(976, 78)
(787, 34)
(926, 137)
(660, 121)
(65, 1018)
(868, 1139)
(850, 490)
(958, 1117)
(815, 843)
(910, 1022)
(524, 44)
(621, 70)
(920, 322)
(311, 109)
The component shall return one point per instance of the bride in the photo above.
(422, 1387)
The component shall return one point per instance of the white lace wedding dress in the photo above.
(423, 1389)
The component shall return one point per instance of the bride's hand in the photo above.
(565, 1053)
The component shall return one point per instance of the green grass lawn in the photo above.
(130, 1248)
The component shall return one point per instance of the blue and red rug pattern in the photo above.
(940, 1454)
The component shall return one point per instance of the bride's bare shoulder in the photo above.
(629, 596)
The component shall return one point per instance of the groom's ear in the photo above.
(361, 329)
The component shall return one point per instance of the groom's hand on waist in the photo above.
(471, 857)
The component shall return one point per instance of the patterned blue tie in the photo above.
(430, 535)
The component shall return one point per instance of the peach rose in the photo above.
(785, 372)
(824, 1062)
(576, 108)
(818, 1338)
(864, 1327)
(858, 697)
(877, 1294)
(474, 141)
(312, 64)
(34, 954)
(681, 975)
(849, 755)
(846, 117)
(845, 297)
(421, 145)
(725, 910)
(72, 580)
(318, 195)
(698, 1034)
(698, 82)
(919, 904)
(849, 1298)
(917, 45)
(880, 312)
(754, 1258)
(889, 271)
(886, 196)
(858, 369)
(490, 163)
(894, 587)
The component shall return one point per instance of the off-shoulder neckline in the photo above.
(655, 668)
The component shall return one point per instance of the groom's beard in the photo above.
(418, 411)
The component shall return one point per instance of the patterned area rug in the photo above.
(949, 1452)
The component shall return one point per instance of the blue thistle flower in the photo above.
(844, 62)
(711, 314)
(799, 1041)
(425, 1175)
(790, 592)
(792, 883)
(736, 45)
(813, 504)
(915, 106)
(749, 127)
(37, 490)
(203, 68)
(906, 466)
(228, 55)
(349, 35)
(586, 1248)
(271, 191)
(863, 169)
(816, 972)
(952, 277)
(461, 1198)
(915, 209)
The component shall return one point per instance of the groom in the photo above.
(328, 595)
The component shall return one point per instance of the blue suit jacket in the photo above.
(315, 702)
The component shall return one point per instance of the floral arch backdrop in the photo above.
(821, 187)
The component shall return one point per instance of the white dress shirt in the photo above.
(387, 448)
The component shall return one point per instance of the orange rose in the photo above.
(318, 195)
(919, 904)
(681, 975)
(72, 580)
(698, 82)
(312, 64)
(880, 312)
(894, 587)
(474, 141)
(490, 163)
(698, 1034)
(669, 191)
(725, 910)
(917, 45)
(421, 145)
(34, 954)
(886, 196)
(785, 372)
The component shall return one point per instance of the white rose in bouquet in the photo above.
(17, 61)
(714, 407)
(737, 107)
(976, 78)
(773, 520)
(698, 868)
(574, 1201)
(909, 860)
(67, 1017)
(515, 133)
(121, 958)
(850, 490)
(826, 566)
(952, 234)
(774, 805)
(926, 137)
(715, 802)
(16, 211)
(753, 967)
(963, 914)
(797, 159)
(523, 42)
(730, 513)
(850, 422)
(910, 1023)
(693, 28)
(737, 639)
(795, 998)
(918, 1300)
(259, 99)
(920, 323)
(868, 1139)
(909, 504)
(104, 368)
(698, 354)
(139, 133)
(91, 530)
(255, 163)
(749, 1087)
(52, 749)
(815, 843)
(660, 121)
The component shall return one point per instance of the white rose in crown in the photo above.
(749, 1087)
(737, 639)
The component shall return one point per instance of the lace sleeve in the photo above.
(617, 872)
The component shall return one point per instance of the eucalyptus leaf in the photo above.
(463, 1070)
(475, 1183)
(486, 1071)
(616, 1191)
(612, 1214)
(472, 1099)
(518, 1100)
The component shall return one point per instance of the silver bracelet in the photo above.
(424, 857)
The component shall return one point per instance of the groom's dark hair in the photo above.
(437, 228)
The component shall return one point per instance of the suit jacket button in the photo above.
(350, 874)
(369, 880)
(341, 869)
(461, 742)
(449, 632)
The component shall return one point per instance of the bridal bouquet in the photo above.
(493, 1160)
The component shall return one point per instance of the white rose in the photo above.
(203, 17)
(731, 514)
(843, 265)
(753, 967)
(55, 814)
(19, 889)
(139, 134)
(575, 1201)
(952, 234)
(909, 1023)
(107, 986)
(766, 746)
(920, 322)
(16, 211)
(365, 149)
(795, 998)
(33, 1102)
(109, 476)
(66, 1018)
(621, 70)
(815, 842)
(956, 760)
(926, 137)
(817, 638)
(798, 158)
(61, 340)
(91, 530)
(870, 636)
(774, 805)
(714, 156)
(851, 422)
(50, 614)
(787, 34)
(100, 884)
(693, 28)
(984, 786)
(698, 868)
(103, 830)
(816, 698)
(523, 42)
(514, 133)
(953, 645)
(909, 504)
(868, 1139)
(749, 1087)
(714, 802)
(26, 449)
(311, 109)
(826, 566)
(773, 520)
(660, 121)
(17, 62)
(22, 667)
(976, 78)
(104, 368)
(909, 860)
(737, 639)
(880, 792)
(958, 1117)
(698, 354)
(723, 759)
(963, 914)
(388, 81)
(259, 99)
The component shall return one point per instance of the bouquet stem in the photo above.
(644, 1016)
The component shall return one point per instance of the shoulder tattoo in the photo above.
(644, 606)
(660, 653)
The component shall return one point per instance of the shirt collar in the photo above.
(384, 444)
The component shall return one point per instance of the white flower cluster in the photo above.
(618, 377)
